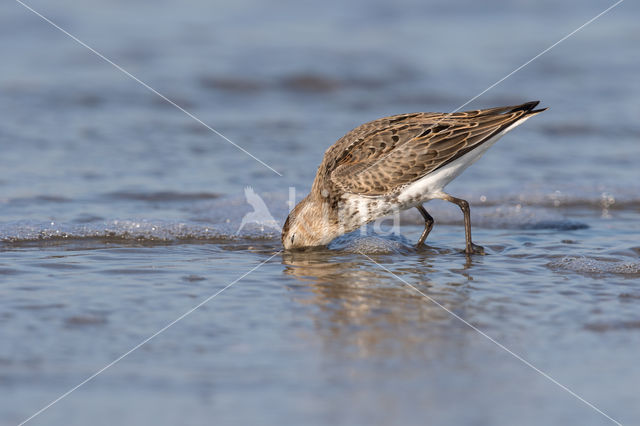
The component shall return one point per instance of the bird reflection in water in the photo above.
(364, 311)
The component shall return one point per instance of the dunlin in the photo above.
(396, 163)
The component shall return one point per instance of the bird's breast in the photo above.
(357, 210)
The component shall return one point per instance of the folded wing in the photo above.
(384, 155)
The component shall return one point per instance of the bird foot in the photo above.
(423, 246)
(474, 249)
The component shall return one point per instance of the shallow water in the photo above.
(119, 214)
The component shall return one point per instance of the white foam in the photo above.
(371, 244)
(588, 265)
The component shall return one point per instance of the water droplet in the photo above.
(606, 201)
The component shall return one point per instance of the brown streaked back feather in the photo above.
(384, 155)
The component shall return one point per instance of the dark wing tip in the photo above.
(535, 111)
(527, 106)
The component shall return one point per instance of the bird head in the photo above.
(307, 226)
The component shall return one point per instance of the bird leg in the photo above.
(428, 224)
(464, 206)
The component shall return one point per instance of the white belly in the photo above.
(431, 186)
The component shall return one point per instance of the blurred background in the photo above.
(118, 212)
(285, 80)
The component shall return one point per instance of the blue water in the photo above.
(119, 214)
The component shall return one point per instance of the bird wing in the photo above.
(381, 156)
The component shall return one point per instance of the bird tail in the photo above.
(528, 107)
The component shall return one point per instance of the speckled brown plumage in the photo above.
(374, 169)
(381, 156)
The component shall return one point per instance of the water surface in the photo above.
(118, 214)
